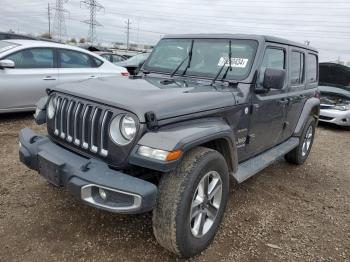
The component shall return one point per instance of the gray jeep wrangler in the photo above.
(202, 109)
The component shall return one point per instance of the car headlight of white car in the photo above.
(341, 107)
(51, 108)
(123, 129)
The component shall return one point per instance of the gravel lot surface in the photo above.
(287, 212)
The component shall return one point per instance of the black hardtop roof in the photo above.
(260, 38)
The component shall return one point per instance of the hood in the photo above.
(139, 96)
(336, 90)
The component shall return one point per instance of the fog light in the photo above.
(102, 193)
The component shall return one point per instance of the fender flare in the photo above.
(311, 107)
(185, 136)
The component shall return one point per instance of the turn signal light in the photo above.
(125, 73)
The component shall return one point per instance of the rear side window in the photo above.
(311, 68)
(97, 62)
(75, 59)
(297, 70)
(33, 58)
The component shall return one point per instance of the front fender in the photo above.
(185, 136)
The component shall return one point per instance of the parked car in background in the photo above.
(6, 36)
(28, 68)
(133, 64)
(111, 57)
(335, 94)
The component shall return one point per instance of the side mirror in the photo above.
(6, 63)
(274, 78)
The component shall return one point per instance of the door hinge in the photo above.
(151, 120)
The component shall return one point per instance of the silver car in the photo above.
(29, 67)
(335, 94)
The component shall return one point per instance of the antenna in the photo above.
(94, 7)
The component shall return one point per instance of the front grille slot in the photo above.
(82, 124)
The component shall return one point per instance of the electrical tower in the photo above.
(127, 34)
(59, 29)
(94, 7)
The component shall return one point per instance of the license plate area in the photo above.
(50, 168)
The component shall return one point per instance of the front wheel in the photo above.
(299, 154)
(191, 202)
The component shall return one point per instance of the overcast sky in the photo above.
(325, 23)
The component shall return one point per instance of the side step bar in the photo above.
(252, 166)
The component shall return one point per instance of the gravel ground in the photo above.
(287, 212)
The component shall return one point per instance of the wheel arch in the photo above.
(214, 133)
(311, 108)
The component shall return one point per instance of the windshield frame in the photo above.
(227, 79)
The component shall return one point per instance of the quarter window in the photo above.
(297, 70)
(33, 58)
(74, 59)
(311, 68)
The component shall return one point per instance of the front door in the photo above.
(268, 111)
(21, 87)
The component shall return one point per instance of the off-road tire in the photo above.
(295, 156)
(171, 216)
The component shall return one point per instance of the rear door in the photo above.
(35, 71)
(269, 109)
(76, 66)
(296, 90)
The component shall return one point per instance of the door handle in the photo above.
(92, 76)
(283, 101)
(49, 78)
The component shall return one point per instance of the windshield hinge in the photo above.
(151, 120)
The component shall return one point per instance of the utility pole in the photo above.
(127, 34)
(59, 20)
(94, 7)
(49, 18)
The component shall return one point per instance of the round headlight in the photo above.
(51, 108)
(122, 129)
(128, 127)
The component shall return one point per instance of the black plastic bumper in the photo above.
(82, 176)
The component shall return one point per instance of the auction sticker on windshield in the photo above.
(235, 62)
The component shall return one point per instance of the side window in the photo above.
(97, 62)
(311, 68)
(297, 70)
(116, 58)
(75, 59)
(273, 58)
(33, 58)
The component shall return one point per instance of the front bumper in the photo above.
(86, 178)
(337, 117)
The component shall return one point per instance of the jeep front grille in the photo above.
(83, 124)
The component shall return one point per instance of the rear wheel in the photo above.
(299, 154)
(191, 202)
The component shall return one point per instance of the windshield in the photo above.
(4, 46)
(206, 59)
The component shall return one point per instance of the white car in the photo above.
(29, 67)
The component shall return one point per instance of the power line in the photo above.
(93, 6)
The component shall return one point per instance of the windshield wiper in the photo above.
(230, 63)
(188, 56)
(222, 67)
